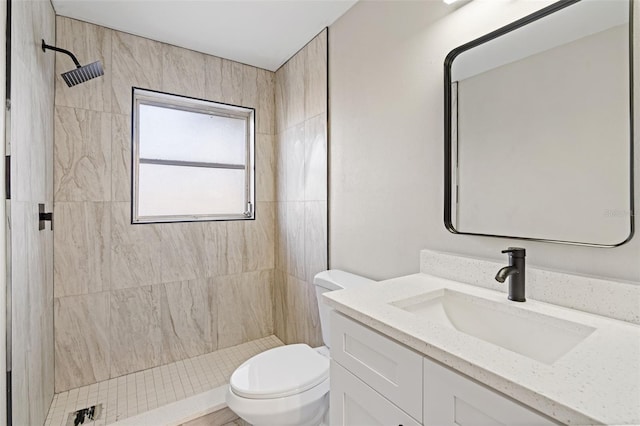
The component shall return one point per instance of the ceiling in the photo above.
(262, 33)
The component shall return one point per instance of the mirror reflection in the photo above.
(539, 137)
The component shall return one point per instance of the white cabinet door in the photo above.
(453, 399)
(353, 403)
(390, 368)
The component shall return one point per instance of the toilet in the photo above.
(289, 385)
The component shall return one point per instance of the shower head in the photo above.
(81, 73)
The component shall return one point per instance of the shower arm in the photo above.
(45, 46)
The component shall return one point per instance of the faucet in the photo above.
(515, 273)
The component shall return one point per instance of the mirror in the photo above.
(538, 134)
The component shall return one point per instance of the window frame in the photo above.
(140, 96)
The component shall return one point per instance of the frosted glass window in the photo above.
(192, 159)
(171, 134)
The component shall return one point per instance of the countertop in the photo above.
(597, 382)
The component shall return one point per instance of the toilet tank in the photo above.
(331, 280)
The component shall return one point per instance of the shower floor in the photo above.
(136, 393)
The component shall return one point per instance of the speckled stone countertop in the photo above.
(597, 382)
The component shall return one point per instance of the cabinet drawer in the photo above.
(388, 367)
(353, 403)
(453, 399)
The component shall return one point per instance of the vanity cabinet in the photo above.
(354, 403)
(378, 381)
(392, 370)
(452, 399)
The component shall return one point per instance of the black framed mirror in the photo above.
(539, 127)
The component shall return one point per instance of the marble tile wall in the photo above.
(131, 297)
(31, 250)
(301, 191)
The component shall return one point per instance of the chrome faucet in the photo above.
(515, 272)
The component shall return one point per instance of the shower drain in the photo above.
(84, 415)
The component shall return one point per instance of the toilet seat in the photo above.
(280, 372)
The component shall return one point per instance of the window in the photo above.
(192, 159)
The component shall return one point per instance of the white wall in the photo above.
(386, 142)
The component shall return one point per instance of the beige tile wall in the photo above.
(130, 297)
(31, 250)
(301, 191)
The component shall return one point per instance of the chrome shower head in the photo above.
(81, 73)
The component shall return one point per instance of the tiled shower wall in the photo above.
(301, 157)
(130, 297)
(31, 250)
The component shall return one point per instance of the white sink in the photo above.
(537, 336)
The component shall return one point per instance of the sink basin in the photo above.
(537, 336)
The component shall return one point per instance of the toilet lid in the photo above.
(280, 372)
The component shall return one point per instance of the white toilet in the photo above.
(289, 385)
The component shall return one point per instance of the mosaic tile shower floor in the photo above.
(145, 390)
